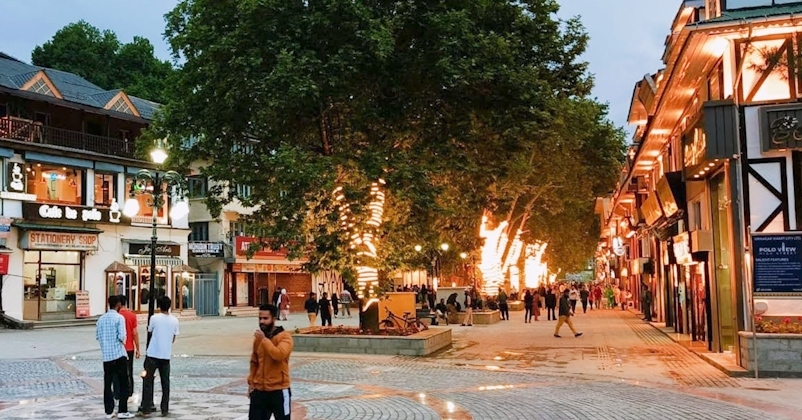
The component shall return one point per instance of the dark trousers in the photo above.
(130, 372)
(114, 372)
(325, 316)
(585, 305)
(153, 364)
(505, 311)
(552, 315)
(267, 403)
(573, 305)
(647, 311)
(527, 314)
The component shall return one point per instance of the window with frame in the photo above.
(105, 189)
(197, 186)
(243, 191)
(200, 231)
(41, 88)
(55, 184)
(145, 213)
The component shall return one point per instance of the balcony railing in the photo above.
(35, 132)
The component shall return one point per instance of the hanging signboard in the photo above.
(161, 249)
(206, 249)
(81, 304)
(682, 249)
(777, 263)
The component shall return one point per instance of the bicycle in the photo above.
(405, 323)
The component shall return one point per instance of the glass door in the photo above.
(724, 335)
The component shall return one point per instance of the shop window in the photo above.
(51, 280)
(55, 184)
(200, 231)
(198, 186)
(105, 189)
(243, 191)
(145, 214)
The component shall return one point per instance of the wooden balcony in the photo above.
(21, 129)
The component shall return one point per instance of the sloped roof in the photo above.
(73, 88)
(756, 12)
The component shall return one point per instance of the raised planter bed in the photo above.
(479, 317)
(778, 354)
(420, 344)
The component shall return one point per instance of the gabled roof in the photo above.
(15, 74)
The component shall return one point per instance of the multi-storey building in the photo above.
(709, 206)
(68, 161)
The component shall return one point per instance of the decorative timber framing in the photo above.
(781, 194)
(121, 103)
(41, 84)
(782, 59)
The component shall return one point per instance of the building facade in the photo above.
(709, 206)
(68, 162)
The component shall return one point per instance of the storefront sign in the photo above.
(38, 211)
(265, 268)
(5, 227)
(651, 210)
(667, 200)
(4, 263)
(777, 265)
(161, 249)
(81, 304)
(695, 147)
(243, 244)
(59, 241)
(682, 249)
(206, 249)
(781, 128)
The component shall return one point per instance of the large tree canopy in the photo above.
(461, 106)
(102, 59)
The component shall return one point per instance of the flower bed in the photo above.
(342, 330)
(352, 340)
(785, 325)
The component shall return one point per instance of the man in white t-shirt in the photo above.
(164, 329)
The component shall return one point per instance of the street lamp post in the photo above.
(156, 180)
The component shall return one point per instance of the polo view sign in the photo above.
(59, 241)
(777, 263)
(38, 211)
(782, 128)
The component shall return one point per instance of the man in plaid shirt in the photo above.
(111, 335)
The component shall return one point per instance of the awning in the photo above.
(117, 267)
(55, 228)
(148, 242)
(144, 260)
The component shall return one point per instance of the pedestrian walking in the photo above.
(324, 306)
(536, 305)
(551, 304)
(573, 297)
(131, 345)
(565, 316)
(345, 301)
(647, 303)
(616, 297)
(528, 301)
(284, 304)
(597, 296)
(164, 329)
(468, 321)
(503, 306)
(110, 333)
(269, 377)
(335, 304)
(311, 307)
(584, 296)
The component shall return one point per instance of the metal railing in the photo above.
(35, 132)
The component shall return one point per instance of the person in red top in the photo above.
(131, 341)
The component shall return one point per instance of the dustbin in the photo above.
(369, 318)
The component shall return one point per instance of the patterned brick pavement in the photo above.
(598, 378)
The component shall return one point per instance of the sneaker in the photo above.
(577, 334)
(461, 325)
(165, 414)
(125, 415)
(110, 416)
(557, 335)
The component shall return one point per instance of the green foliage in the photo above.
(98, 56)
(458, 105)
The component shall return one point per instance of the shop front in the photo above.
(137, 284)
(53, 269)
(257, 280)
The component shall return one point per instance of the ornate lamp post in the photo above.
(156, 180)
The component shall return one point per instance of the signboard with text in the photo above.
(244, 243)
(4, 258)
(55, 212)
(781, 127)
(5, 227)
(59, 241)
(161, 249)
(777, 263)
(82, 304)
(206, 249)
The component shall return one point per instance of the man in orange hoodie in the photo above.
(269, 380)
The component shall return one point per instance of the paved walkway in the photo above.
(621, 368)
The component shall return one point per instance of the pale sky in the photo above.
(626, 42)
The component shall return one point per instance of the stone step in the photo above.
(242, 311)
(65, 323)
